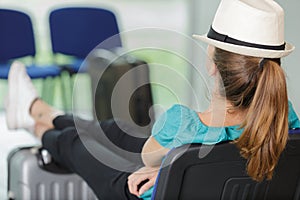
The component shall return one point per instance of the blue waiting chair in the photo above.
(75, 31)
(221, 174)
(17, 41)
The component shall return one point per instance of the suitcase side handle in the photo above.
(46, 162)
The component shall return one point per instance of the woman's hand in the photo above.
(144, 174)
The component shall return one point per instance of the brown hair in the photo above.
(262, 92)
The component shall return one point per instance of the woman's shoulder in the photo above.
(179, 112)
(175, 117)
(179, 108)
(176, 126)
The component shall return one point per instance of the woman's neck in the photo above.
(221, 112)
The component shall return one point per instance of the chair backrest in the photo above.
(221, 175)
(76, 31)
(16, 35)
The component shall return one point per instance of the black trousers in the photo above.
(102, 153)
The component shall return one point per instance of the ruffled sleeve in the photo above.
(175, 127)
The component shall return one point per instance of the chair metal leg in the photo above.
(66, 90)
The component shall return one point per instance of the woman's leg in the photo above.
(43, 113)
(108, 181)
(70, 146)
(66, 145)
(24, 109)
(105, 132)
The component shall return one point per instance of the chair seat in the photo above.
(17, 41)
(94, 27)
(34, 71)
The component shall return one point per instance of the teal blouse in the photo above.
(180, 125)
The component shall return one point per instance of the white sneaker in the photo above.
(21, 94)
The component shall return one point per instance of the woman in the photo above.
(245, 49)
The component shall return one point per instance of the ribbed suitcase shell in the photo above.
(28, 181)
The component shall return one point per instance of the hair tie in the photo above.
(262, 62)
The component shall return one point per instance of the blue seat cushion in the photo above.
(34, 71)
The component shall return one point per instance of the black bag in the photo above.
(121, 87)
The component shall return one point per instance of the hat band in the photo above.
(212, 34)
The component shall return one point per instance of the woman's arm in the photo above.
(153, 153)
(144, 178)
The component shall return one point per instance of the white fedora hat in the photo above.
(249, 27)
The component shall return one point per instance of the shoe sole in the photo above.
(12, 102)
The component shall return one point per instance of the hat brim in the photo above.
(249, 51)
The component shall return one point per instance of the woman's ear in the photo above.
(211, 66)
(212, 70)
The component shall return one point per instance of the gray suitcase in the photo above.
(33, 176)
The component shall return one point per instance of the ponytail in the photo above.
(257, 87)
(266, 124)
